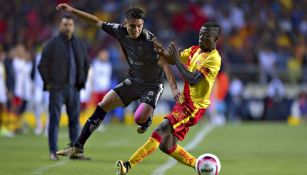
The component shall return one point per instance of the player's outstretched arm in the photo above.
(171, 78)
(93, 20)
(192, 77)
(161, 51)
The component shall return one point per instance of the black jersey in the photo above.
(140, 54)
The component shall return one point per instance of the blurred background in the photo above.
(262, 45)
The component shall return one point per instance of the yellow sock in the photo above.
(184, 157)
(148, 148)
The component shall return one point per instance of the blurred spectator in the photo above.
(10, 87)
(277, 24)
(276, 89)
(235, 100)
(283, 53)
(295, 63)
(299, 106)
(305, 69)
(22, 66)
(40, 99)
(117, 60)
(271, 42)
(64, 67)
(9, 78)
(218, 105)
(85, 94)
(276, 107)
(3, 98)
(267, 58)
(102, 73)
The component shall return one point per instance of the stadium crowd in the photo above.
(264, 42)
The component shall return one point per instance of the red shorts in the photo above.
(182, 117)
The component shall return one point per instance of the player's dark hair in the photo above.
(213, 25)
(67, 16)
(135, 13)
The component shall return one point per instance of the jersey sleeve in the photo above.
(112, 29)
(209, 66)
(184, 55)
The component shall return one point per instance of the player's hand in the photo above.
(65, 7)
(174, 54)
(161, 51)
(158, 46)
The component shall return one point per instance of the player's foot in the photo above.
(71, 151)
(53, 156)
(143, 128)
(122, 168)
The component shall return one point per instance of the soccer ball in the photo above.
(208, 164)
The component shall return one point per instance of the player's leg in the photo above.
(73, 111)
(173, 129)
(122, 95)
(144, 113)
(113, 99)
(147, 149)
(143, 117)
(169, 146)
(180, 129)
(108, 103)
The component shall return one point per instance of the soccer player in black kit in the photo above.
(144, 80)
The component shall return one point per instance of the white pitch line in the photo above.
(196, 140)
(43, 169)
(118, 143)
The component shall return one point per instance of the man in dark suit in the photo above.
(64, 67)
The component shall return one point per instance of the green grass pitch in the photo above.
(244, 149)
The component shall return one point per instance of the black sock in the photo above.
(127, 165)
(91, 125)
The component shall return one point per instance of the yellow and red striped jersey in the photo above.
(208, 63)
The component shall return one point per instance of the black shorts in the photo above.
(129, 91)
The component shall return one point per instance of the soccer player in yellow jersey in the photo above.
(199, 66)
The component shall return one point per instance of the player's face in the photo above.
(134, 27)
(67, 27)
(207, 38)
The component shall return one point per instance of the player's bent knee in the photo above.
(139, 118)
(141, 115)
(110, 101)
(164, 127)
(103, 106)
